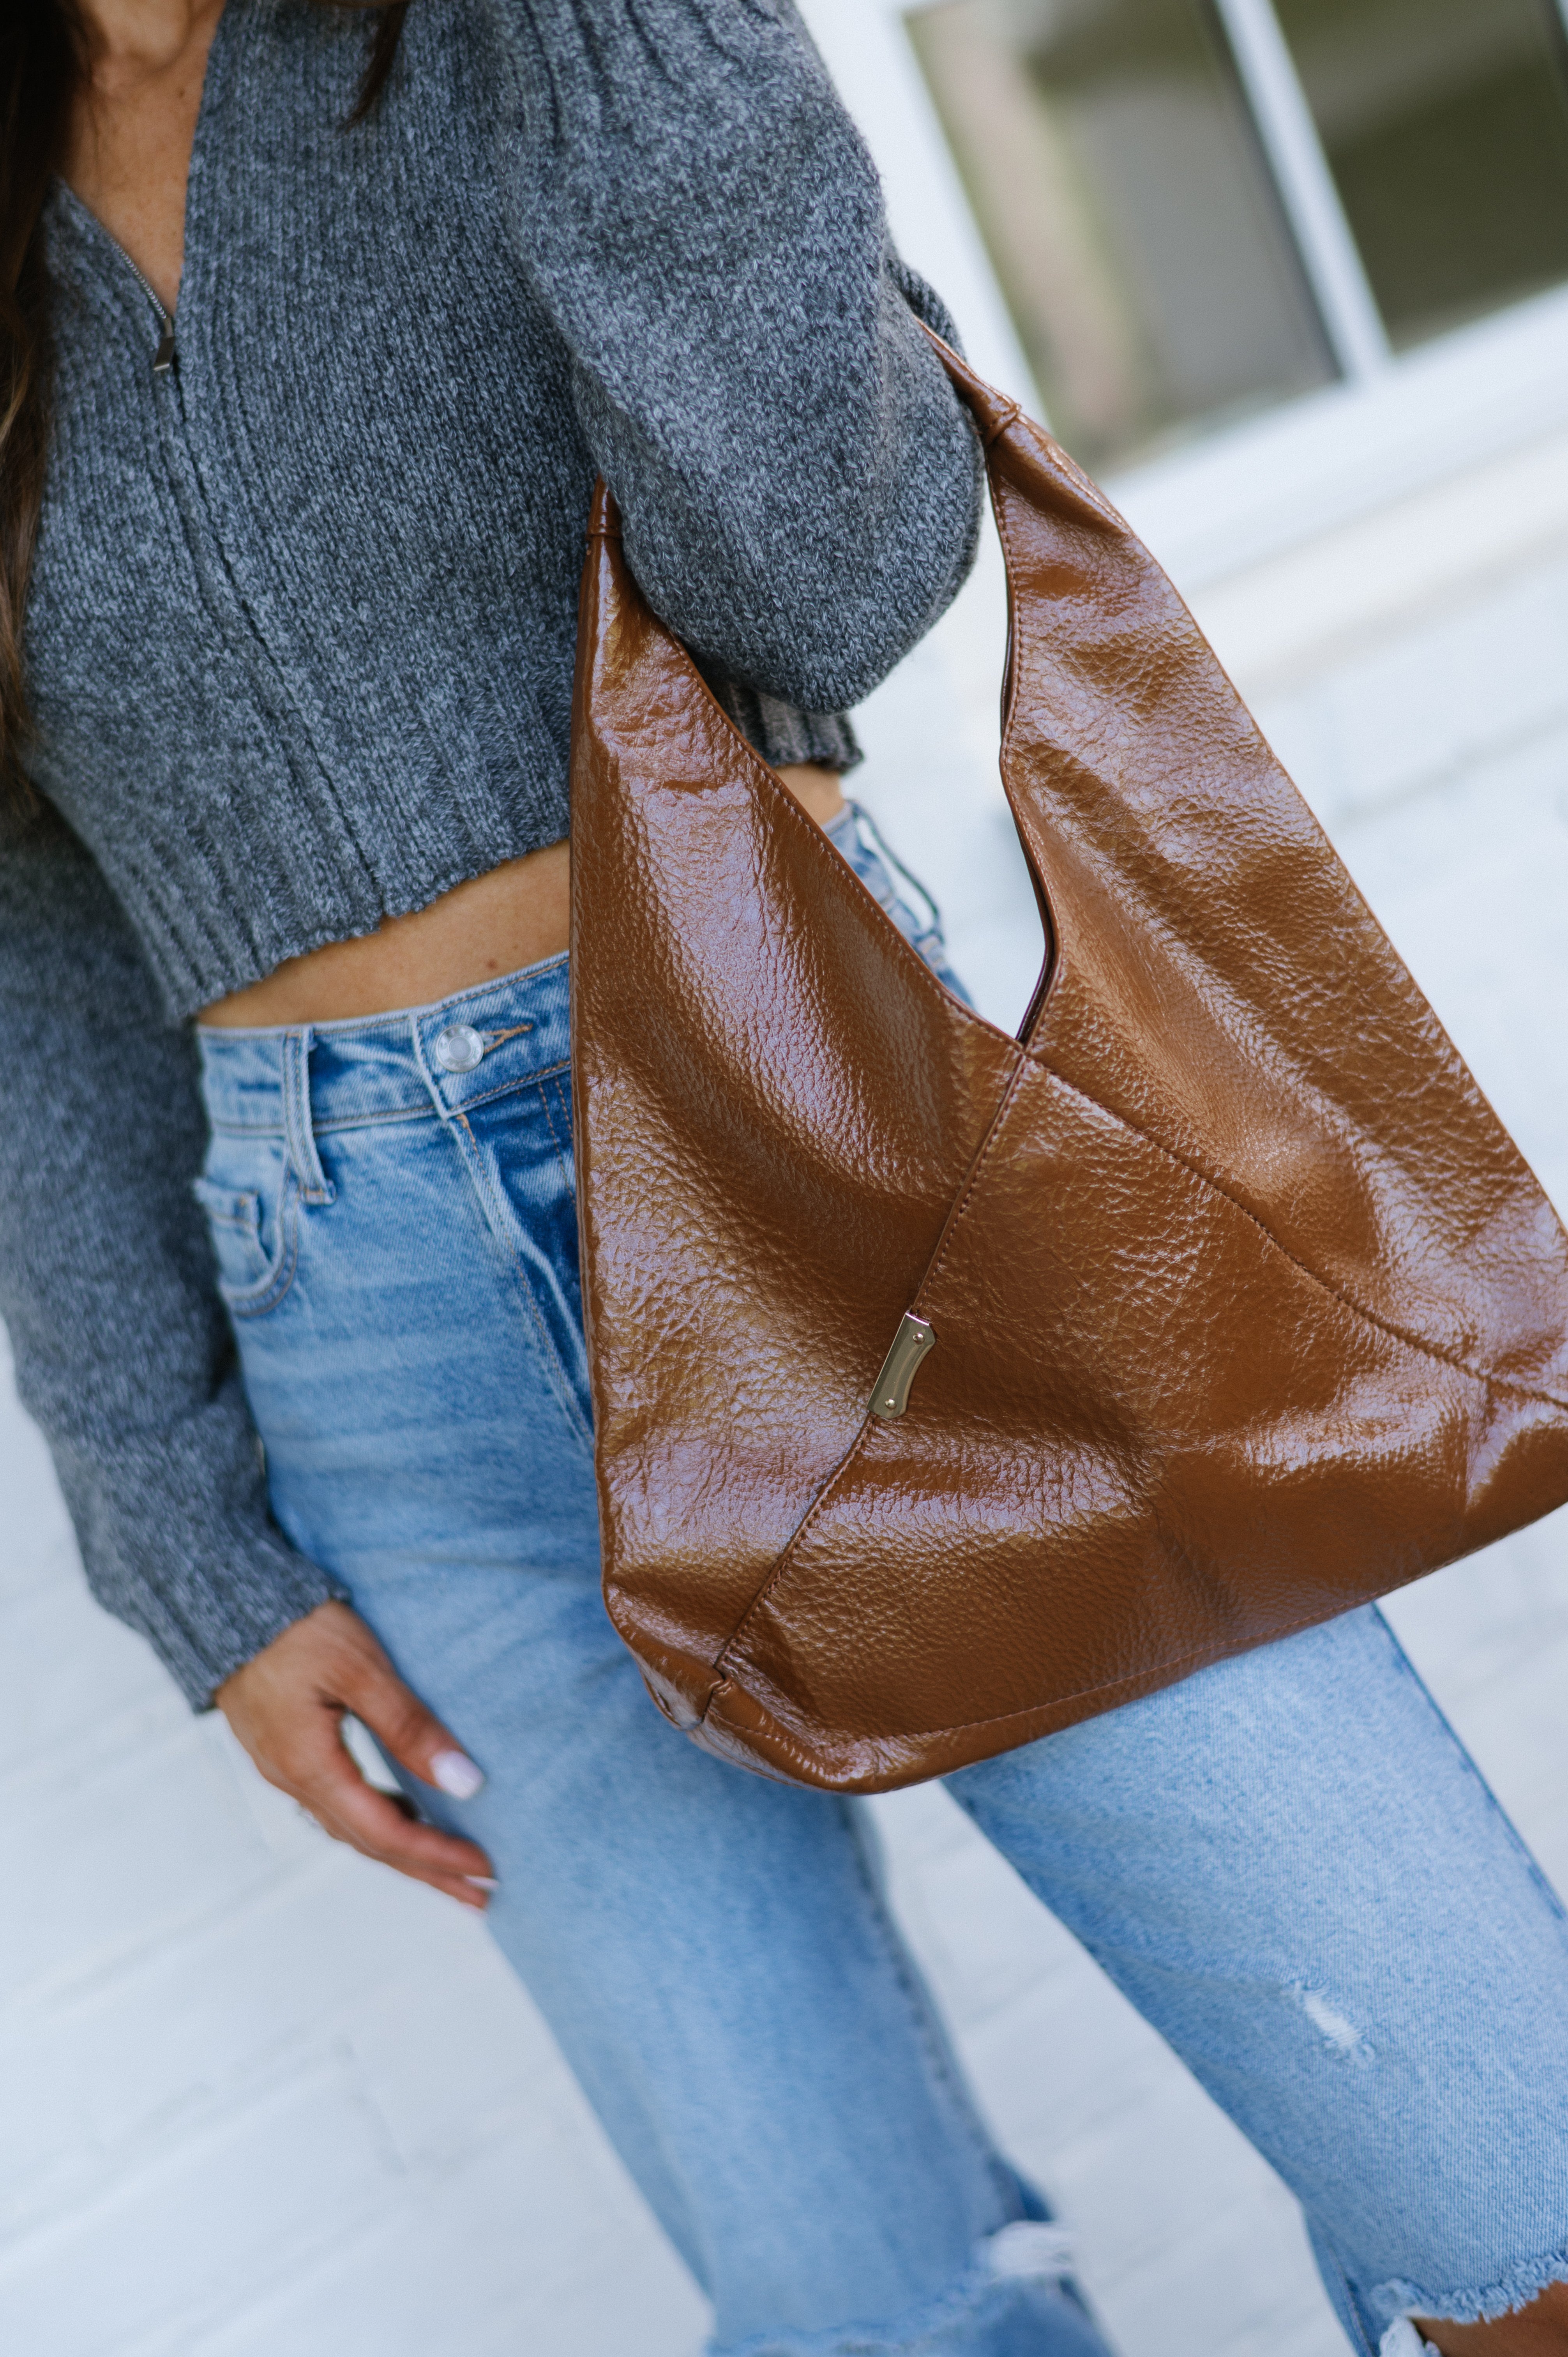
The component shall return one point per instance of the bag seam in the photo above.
(1484, 1376)
(1353, 1308)
(1382, 1325)
(488, 1193)
(998, 1123)
(1080, 1694)
(1029, 1057)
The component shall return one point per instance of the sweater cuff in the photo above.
(176, 1542)
(206, 1616)
(781, 733)
(255, 1601)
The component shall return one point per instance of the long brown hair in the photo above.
(43, 55)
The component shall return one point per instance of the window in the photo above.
(1197, 208)
(1445, 127)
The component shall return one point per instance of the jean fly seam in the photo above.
(480, 1177)
(567, 1171)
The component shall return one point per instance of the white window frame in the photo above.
(1393, 427)
(1304, 184)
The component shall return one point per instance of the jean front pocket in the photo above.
(251, 1201)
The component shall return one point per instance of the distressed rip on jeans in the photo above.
(1254, 1857)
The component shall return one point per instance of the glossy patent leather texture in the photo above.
(1245, 1307)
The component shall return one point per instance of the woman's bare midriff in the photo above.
(493, 924)
(514, 917)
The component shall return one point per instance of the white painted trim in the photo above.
(1328, 248)
(1234, 499)
(1413, 562)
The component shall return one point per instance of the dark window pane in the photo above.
(1446, 127)
(1134, 227)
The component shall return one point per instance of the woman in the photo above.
(310, 371)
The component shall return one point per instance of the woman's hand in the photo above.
(288, 1707)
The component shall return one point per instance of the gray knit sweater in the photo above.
(301, 636)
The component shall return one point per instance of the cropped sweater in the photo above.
(301, 633)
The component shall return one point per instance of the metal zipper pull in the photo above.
(165, 358)
(911, 1344)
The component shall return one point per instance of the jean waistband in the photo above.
(295, 1081)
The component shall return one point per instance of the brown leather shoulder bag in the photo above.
(1216, 1302)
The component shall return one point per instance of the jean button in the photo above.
(459, 1049)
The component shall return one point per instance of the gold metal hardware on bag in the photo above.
(911, 1344)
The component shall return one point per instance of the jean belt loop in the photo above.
(315, 1187)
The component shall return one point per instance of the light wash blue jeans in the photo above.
(1288, 1863)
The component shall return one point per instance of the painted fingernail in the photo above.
(482, 1881)
(455, 1774)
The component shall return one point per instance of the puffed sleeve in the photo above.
(797, 482)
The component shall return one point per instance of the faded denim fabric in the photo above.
(855, 836)
(1288, 1863)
